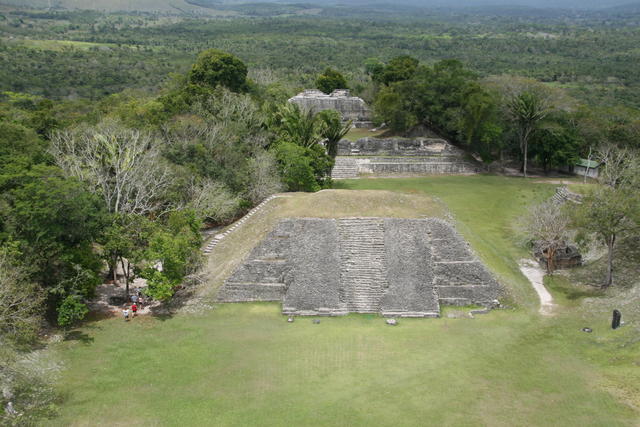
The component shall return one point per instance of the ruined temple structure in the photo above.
(351, 107)
(565, 257)
(390, 266)
(389, 156)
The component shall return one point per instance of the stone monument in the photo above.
(350, 107)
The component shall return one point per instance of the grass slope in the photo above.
(245, 365)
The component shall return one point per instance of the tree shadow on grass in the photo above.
(80, 336)
(185, 295)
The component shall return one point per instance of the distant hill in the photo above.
(531, 8)
(625, 8)
(174, 7)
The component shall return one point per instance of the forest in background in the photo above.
(90, 54)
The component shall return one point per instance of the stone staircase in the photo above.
(362, 270)
(344, 168)
(563, 195)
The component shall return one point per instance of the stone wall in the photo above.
(395, 267)
(424, 147)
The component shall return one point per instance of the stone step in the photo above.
(344, 168)
(362, 269)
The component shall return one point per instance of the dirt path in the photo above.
(535, 274)
(101, 304)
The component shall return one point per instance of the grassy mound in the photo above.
(325, 204)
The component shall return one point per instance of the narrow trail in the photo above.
(535, 274)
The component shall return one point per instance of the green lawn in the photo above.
(358, 133)
(245, 365)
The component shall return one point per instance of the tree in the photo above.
(391, 107)
(621, 168)
(333, 129)
(55, 221)
(19, 146)
(265, 179)
(398, 69)
(527, 109)
(28, 394)
(20, 299)
(556, 144)
(547, 225)
(481, 128)
(612, 210)
(527, 104)
(331, 80)
(299, 126)
(295, 167)
(124, 243)
(121, 165)
(71, 311)
(213, 201)
(373, 67)
(609, 213)
(215, 68)
(172, 253)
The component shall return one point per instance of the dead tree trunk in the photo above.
(610, 244)
(551, 253)
(126, 270)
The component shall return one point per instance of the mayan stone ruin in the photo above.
(393, 267)
(350, 107)
(389, 156)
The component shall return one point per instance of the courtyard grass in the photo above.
(243, 364)
(355, 134)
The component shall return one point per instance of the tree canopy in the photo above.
(215, 68)
(331, 80)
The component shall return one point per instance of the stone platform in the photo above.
(399, 156)
(394, 267)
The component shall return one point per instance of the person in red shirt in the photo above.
(134, 309)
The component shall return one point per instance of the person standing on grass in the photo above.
(125, 313)
(134, 298)
(134, 309)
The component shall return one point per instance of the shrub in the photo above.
(71, 311)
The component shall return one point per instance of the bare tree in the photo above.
(20, 301)
(214, 201)
(549, 227)
(265, 180)
(123, 166)
(620, 166)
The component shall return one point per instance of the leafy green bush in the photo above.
(159, 286)
(295, 167)
(331, 80)
(71, 311)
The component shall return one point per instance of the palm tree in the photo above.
(301, 127)
(527, 109)
(333, 129)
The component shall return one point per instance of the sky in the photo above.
(574, 4)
